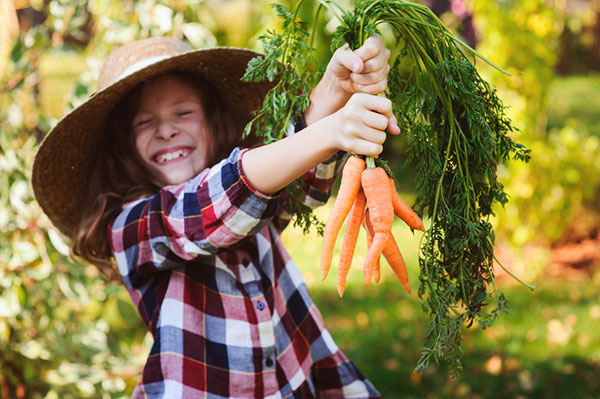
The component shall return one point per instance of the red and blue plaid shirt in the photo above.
(229, 310)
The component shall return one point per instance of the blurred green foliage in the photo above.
(66, 333)
(561, 181)
(547, 346)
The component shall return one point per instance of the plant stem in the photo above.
(530, 286)
(370, 161)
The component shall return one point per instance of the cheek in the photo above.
(141, 142)
(196, 129)
(203, 140)
(207, 148)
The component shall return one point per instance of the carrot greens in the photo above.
(457, 135)
(286, 63)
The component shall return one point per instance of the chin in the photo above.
(177, 174)
(173, 180)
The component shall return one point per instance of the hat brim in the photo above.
(65, 158)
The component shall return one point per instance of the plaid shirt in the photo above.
(229, 310)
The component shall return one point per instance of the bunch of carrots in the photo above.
(367, 197)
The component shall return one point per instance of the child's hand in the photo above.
(360, 126)
(349, 72)
(365, 69)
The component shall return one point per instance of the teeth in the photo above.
(170, 156)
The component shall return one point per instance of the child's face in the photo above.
(170, 133)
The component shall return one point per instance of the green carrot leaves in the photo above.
(285, 61)
(457, 135)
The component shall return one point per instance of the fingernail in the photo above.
(356, 66)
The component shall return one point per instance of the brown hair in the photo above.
(120, 175)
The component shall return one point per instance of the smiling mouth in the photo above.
(169, 156)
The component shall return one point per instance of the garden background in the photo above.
(66, 333)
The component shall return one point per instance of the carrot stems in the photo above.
(370, 161)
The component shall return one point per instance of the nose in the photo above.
(166, 130)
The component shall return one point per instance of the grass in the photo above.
(547, 346)
(574, 100)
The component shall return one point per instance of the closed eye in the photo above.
(143, 122)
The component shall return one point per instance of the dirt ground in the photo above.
(578, 251)
(575, 255)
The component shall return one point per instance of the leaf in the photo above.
(285, 62)
(17, 51)
(24, 252)
(198, 35)
(9, 303)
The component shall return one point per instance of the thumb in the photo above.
(392, 126)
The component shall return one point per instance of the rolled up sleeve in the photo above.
(315, 184)
(216, 209)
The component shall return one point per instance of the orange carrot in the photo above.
(403, 211)
(394, 257)
(353, 223)
(349, 186)
(392, 254)
(369, 229)
(377, 271)
(379, 201)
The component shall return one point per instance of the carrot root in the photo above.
(403, 211)
(369, 233)
(392, 254)
(367, 197)
(349, 187)
(375, 250)
(355, 219)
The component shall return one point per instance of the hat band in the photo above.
(138, 66)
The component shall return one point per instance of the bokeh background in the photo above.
(66, 333)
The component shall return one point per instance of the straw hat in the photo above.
(66, 156)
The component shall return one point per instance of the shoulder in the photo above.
(214, 180)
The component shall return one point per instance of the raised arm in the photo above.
(339, 118)
(359, 127)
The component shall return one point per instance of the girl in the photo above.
(151, 181)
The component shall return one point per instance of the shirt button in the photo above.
(268, 362)
(260, 305)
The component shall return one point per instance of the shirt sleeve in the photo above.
(216, 209)
(337, 377)
(317, 182)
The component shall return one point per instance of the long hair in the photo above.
(120, 175)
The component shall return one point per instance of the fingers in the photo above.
(367, 149)
(366, 68)
(378, 104)
(375, 121)
(345, 62)
(370, 48)
(377, 87)
(372, 77)
(366, 119)
(374, 54)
